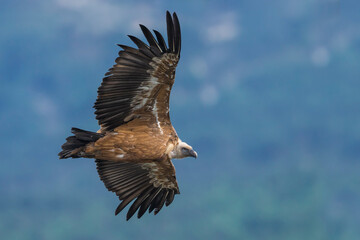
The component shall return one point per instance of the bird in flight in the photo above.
(136, 142)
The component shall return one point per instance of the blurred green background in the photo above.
(267, 92)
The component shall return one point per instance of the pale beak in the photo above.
(193, 154)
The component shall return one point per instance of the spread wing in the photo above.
(152, 184)
(139, 84)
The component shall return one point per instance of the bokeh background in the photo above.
(267, 92)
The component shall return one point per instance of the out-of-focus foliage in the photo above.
(266, 92)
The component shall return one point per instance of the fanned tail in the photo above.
(75, 145)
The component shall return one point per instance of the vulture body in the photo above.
(136, 141)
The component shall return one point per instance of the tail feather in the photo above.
(75, 144)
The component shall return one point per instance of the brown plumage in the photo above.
(136, 141)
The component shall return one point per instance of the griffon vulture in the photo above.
(136, 142)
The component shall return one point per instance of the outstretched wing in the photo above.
(152, 184)
(140, 82)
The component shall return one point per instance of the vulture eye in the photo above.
(185, 150)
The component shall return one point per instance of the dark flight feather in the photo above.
(177, 38)
(145, 49)
(157, 200)
(161, 41)
(134, 207)
(170, 32)
(170, 197)
(130, 77)
(145, 205)
(132, 181)
(154, 46)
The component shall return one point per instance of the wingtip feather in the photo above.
(170, 31)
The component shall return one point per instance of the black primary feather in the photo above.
(145, 49)
(170, 31)
(154, 46)
(177, 35)
(161, 41)
(131, 182)
(122, 83)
